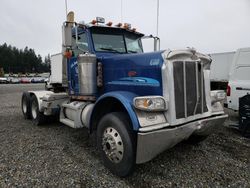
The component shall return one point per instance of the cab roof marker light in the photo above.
(134, 29)
(127, 26)
(109, 24)
(119, 25)
(93, 22)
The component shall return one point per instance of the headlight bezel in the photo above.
(149, 103)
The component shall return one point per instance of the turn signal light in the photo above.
(109, 24)
(150, 103)
(93, 22)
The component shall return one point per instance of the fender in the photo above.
(39, 95)
(126, 99)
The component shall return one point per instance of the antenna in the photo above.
(157, 23)
(121, 11)
(66, 8)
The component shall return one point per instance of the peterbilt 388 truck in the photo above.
(136, 104)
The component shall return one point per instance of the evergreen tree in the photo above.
(14, 60)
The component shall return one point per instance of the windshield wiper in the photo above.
(131, 51)
(111, 50)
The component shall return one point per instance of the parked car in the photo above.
(37, 80)
(14, 80)
(3, 80)
(25, 80)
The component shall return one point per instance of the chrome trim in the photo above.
(202, 89)
(150, 144)
(154, 127)
(185, 88)
(197, 87)
(168, 83)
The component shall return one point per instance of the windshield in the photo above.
(116, 41)
(133, 44)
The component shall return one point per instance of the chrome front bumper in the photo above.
(150, 144)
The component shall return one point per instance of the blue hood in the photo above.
(137, 73)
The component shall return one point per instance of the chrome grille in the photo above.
(189, 89)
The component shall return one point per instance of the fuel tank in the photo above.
(87, 74)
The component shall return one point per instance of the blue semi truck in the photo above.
(136, 104)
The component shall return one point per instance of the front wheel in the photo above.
(37, 117)
(116, 143)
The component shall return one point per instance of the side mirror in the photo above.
(156, 41)
(67, 35)
(67, 30)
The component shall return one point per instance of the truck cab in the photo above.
(136, 104)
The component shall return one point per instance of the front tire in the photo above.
(116, 143)
(37, 117)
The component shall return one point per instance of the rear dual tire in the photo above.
(37, 117)
(30, 109)
(25, 103)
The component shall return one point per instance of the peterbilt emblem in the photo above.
(154, 62)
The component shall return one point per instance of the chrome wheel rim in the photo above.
(34, 109)
(24, 105)
(112, 145)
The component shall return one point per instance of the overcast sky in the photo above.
(208, 25)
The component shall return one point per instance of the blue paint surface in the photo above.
(146, 66)
(116, 68)
(126, 99)
(125, 76)
(73, 81)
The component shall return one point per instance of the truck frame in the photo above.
(137, 104)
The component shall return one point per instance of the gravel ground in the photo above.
(58, 156)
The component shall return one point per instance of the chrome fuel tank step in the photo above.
(76, 114)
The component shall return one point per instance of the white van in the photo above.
(219, 70)
(239, 78)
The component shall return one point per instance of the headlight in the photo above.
(150, 103)
(218, 95)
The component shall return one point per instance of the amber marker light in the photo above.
(134, 29)
(119, 25)
(109, 24)
(127, 26)
(68, 54)
(93, 22)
